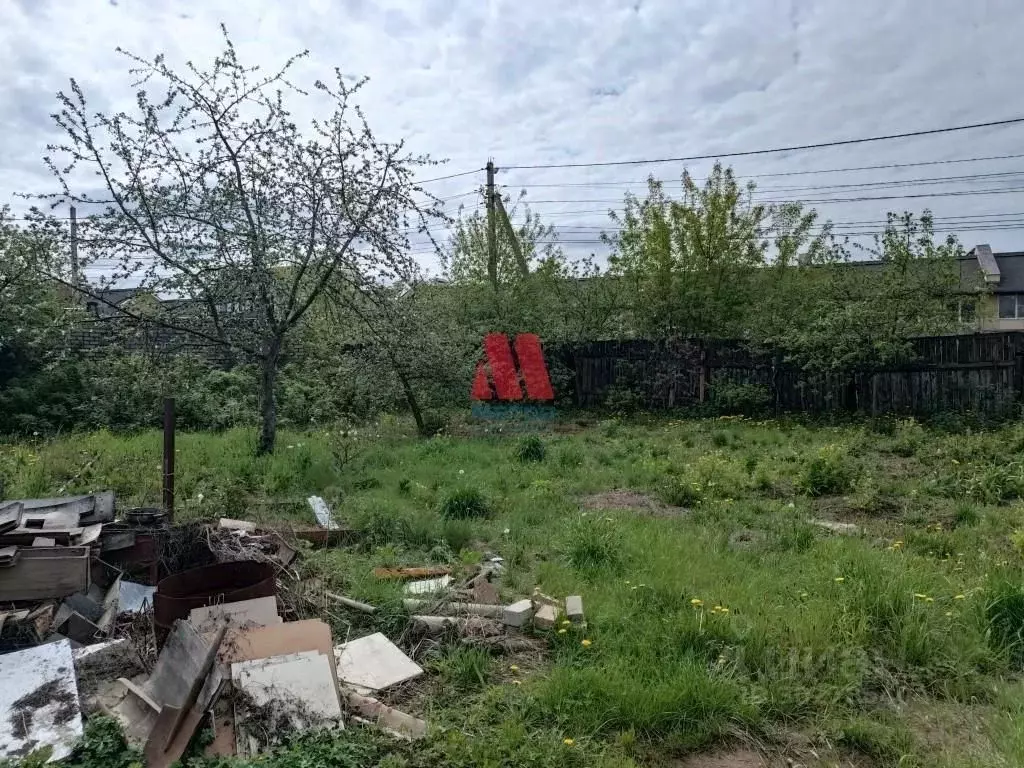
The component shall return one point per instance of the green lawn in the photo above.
(719, 616)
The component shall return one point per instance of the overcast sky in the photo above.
(557, 81)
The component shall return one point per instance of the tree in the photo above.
(865, 311)
(694, 265)
(554, 296)
(212, 195)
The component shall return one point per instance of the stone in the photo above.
(518, 614)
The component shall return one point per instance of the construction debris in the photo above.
(574, 609)
(292, 692)
(350, 603)
(40, 573)
(258, 612)
(545, 617)
(322, 513)
(428, 586)
(373, 662)
(435, 626)
(427, 572)
(383, 716)
(39, 702)
(237, 525)
(455, 609)
(518, 614)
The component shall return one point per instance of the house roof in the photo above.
(1011, 271)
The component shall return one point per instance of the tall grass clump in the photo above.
(531, 448)
(464, 503)
(829, 473)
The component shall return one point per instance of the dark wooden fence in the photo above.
(981, 372)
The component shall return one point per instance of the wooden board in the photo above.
(41, 573)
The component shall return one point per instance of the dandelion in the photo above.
(839, 579)
(514, 668)
(949, 613)
(562, 631)
(696, 602)
(960, 597)
(566, 622)
(462, 471)
(568, 742)
(517, 682)
(585, 643)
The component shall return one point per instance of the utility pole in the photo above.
(74, 251)
(492, 234)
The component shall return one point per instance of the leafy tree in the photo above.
(692, 265)
(865, 311)
(213, 195)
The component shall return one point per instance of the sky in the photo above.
(561, 81)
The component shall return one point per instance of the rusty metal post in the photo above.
(169, 458)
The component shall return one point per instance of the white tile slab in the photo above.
(39, 701)
(373, 663)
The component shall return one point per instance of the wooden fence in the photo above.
(981, 372)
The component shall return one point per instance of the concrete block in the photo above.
(518, 614)
(546, 617)
(574, 609)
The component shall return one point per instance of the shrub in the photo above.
(464, 503)
(727, 397)
(531, 448)
(829, 473)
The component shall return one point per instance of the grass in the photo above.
(727, 616)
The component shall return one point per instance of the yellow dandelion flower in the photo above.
(568, 742)
(585, 643)
(566, 622)
(696, 602)
(949, 613)
(839, 579)
(960, 597)
(562, 631)
(514, 668)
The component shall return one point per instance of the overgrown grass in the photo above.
(727, 615)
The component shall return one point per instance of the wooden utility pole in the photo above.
(74, 250)
(492, 233)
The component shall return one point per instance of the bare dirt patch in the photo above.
(633, 501)
(742, 758)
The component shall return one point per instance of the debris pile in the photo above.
(170, 629)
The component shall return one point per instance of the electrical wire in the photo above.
(775, 150)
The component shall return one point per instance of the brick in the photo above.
(518, 614)
(546, 617)
(574, 609)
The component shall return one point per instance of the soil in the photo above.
(741, 758)
(634, 501)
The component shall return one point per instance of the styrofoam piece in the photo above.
(299, 688)
(257, 612)
(428, 586)
(373, 663)
(39, 701)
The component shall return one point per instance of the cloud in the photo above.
(574, 81)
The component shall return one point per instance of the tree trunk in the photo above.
(410, 398)
(268, 397)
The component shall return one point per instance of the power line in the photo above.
(774, 150)
(801, 173)
(449, 176)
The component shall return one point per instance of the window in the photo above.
(1011, 306)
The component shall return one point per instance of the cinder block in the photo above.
(517, 614)
(546, 617)
(574, 609)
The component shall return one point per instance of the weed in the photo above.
(592, 543)
(1005, 614)
(680, 492)
(829, 473)
(880, 739)
(965, 515)
(531, 448)
(464, 668)
(466, 502)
